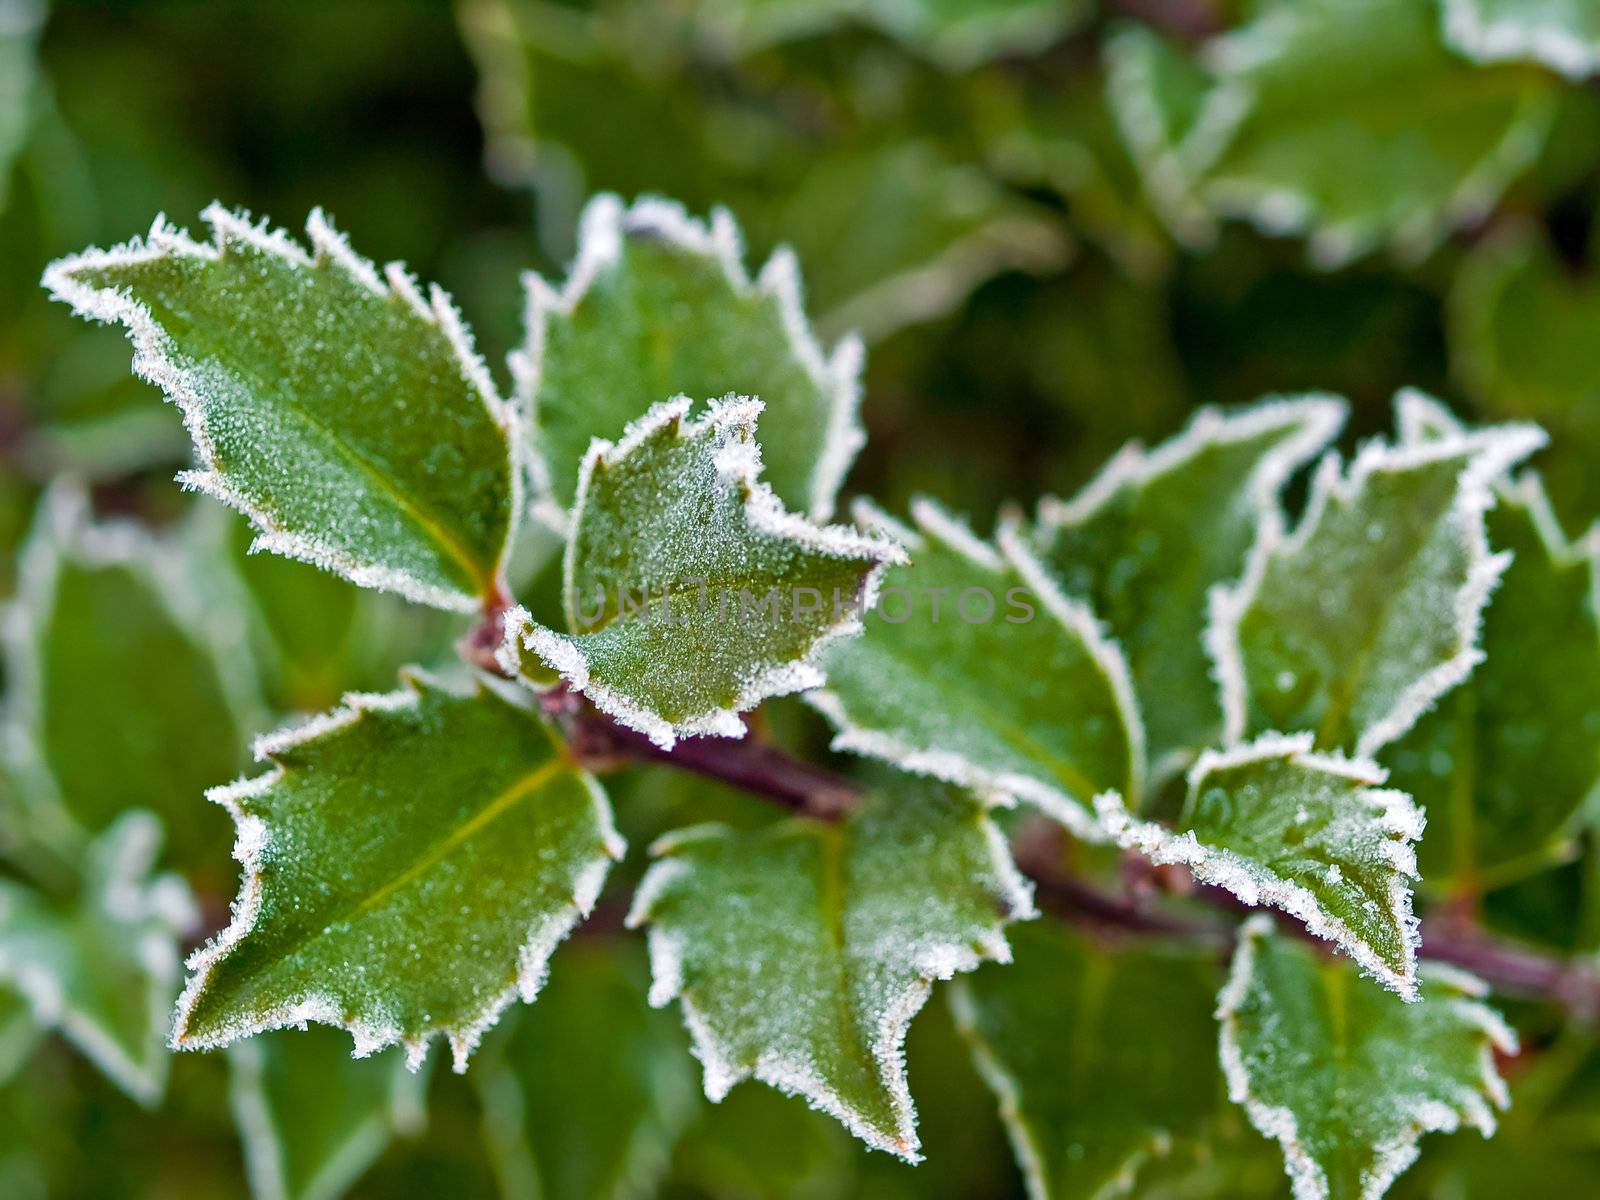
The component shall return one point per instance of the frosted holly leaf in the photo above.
(1562, 34)
(20, 22)
(1498, 792)
(1146, 540)
(896, 233)
(1312, 834)
(1008, 687)
(628, 1086)
(126, 688)
(691, 593)
(1158, 93)
(1350, 122)
(348, 416)
(103, 968)
(956, 34)
(311, 1119)
(1355, 624)
(801, 952)
(1103, 1058)
(1344, 1077)
(410, 863)
(659, 304)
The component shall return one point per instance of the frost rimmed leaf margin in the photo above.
(1395, 824)
(252, 849)
(1306, 1176)
(1133, 469)
(64, 532)
(605, 224)
(1475, 30)
(157, 911)
(155, 361)
(1006, 895)
(1491, 453)
(1011, 552)
(729, 427)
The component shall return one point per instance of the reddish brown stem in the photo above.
(764, 770)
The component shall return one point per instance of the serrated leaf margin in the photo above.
(64, 531)
(605, 224)
(1493, 451)
(165, 898)
(1393, 811)
(731, 424)
(1277, 211)
(1305, 1176)
(721, 1072)
(1003, 788)
(153, 363)
(250, 849)
(1473, 36)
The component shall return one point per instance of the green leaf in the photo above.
(1355, 624)
(1030, 701)
(801, 952)
(103, 969)
(896, 233)
(627, 1084)
(410, 863)
(1101, 1056)
(311, 1118)
(1144, 543)
(957, 34)
(691, 593)
(1157, 93)
(1350, 122)
(1497, 791)
(1562, 34)
(20, 23)
(347, 416)
(1344, 1077)
(1311, 834)
(658, 304)
(127, 689)
(19, 1035)
(1519, 323)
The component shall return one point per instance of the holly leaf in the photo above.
(1157, 94)
(1353, 124)
(659, 304)
(1497, 793)
(311, 1119)
(1562, 34)
(628, 1084)
(1083, 1044)
(691, 593)
(103, 968)
(410, 863)
(1357, 623)
(127, 689)
(1144, 543)
(938, 685)
(348, 417)
(1311, 834)
(1344, 1078)
(800, 952)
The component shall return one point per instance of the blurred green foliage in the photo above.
(1002, 197)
